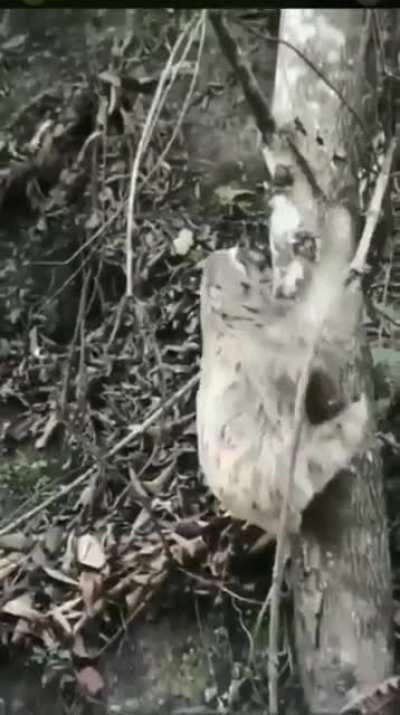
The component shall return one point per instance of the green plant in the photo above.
(21, 476)
(54, 662)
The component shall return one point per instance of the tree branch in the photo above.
(254, 96)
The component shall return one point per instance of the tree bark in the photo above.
(341, 565)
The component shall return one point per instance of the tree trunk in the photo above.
(341, 567)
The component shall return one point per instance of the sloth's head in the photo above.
(238, 290)
(235, 286)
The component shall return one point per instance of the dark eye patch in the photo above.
(250, 309)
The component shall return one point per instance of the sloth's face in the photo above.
(238, 290)
(237, 286)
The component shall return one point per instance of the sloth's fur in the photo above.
(254, 347)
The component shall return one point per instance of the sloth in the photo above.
(254, 345)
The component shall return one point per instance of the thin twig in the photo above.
(186, 102)
(360, 259)
(168, 75)
(213, 583)
(259, 622)
(386, 284)
(97, 234)
(63, 402)
(81, 378)
(140, 495)
(382, 312)
(118, 318)
(69, 280)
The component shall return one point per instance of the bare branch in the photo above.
(260, 108)
(360, 259)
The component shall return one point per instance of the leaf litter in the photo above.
(126, 511)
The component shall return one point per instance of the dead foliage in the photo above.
(126, 509)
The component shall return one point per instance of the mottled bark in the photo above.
(341, 564)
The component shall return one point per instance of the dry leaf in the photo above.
(110, 78)
(15, 542)
(8, 564)
(134, 599)
(79, 648)
(53, 539)
(49, 429)
(185, 548)
(38, 556)
(227, 194)
(67, 607)
(58, 575)
(87, 495)
(69, 556)
(49, 639)
(90, 553)
(159, 562)
(22, 631)
(90, 584)
(14, 43)
(21, 607)
(93, 221)
(62, 622)
(143, 579)
(183, 242)
(120, 587)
